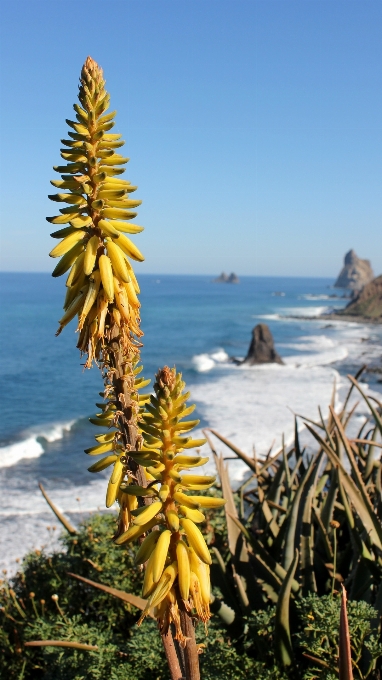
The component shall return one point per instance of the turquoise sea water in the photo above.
(189, 321)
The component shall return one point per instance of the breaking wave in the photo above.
(34, 442)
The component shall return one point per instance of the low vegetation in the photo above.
(302, 524)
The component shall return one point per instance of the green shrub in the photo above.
(88, 615)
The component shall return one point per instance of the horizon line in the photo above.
(263, 276)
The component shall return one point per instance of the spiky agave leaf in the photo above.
(326, 507)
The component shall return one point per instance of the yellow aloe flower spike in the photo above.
(178, 559)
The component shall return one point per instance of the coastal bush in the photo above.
(43, 603)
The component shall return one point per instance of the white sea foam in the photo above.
(202, 363)
(205, 362)
(322, 359)
(315, 350)
(310, 343)
(270, 317)
(357, 341)
(322, 351)
(31, 446)
(53, 431)
(309, 296)
(27, 448)
(252, 406)
(304, 311)
(68, 498)
(219, 356)
(25, 521)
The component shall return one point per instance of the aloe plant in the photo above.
(304, 523)
(144, 432)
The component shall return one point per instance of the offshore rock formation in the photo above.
(368, 303)
(262, 348)
(355, 274)
(223, 278)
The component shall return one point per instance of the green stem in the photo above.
(334, 560)
(22, 671)
(35, 608)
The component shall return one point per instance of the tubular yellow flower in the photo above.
(177, 571)
(94, 246)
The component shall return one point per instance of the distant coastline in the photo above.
(365, 305)
(334, 316)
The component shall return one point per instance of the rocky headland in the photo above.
(355, 274)
(365, 293)
(366, 305)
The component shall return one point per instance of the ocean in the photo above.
(188, 321)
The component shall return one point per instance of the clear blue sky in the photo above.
(253, 127)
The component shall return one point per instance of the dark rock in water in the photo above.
(355, 274)
(368, 303)
(262, 348)
(223, 278)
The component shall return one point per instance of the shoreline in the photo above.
(337, 317)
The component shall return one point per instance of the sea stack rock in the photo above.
(223, 278)
(262, 348)
(355, 274)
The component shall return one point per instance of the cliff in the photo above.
(355, 274)
(368, 302)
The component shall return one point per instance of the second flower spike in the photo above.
(178, 559)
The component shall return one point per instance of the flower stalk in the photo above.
(101, 287)
(145, 442)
